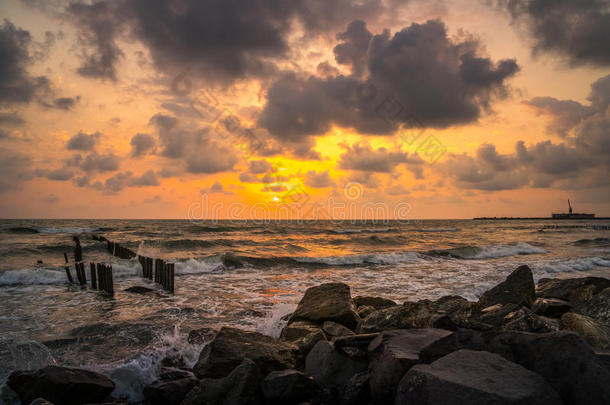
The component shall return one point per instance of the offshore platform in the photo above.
(572, 215)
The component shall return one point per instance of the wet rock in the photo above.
(475, 377)
(41, 401)
(240, 387)
(303, 334)
(551, 307)
(169, 392)
(172, 373)
(565, 360)
(518, 288)
(60, 342)
(230, 346)
(201, 336)
(392, 354)
(230, 261)
(60, 385)
(375, 302)
(332, 368)
(360, 341)
(365, 311)
(571, 289)
(327, 302)
(494, 315)
(526, 321)
(139, 290)
(594, 333)
(357, 391)
(406, 316)
(597, 307)
(289, 387)
(332, 329)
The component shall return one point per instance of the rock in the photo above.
(41, 401)
(303, 334)
(365, 311)
(604, 357)
(240, 387)
(474, 377)
(361, 341)
(596, 334)
(230, 346)
(201, 336)
(375, 302)
(333, 329)
(331, 368)
(494, 315)
(230, 261)
(571, 289)
(597, 307)
(138, 290)
(289, 387)
(172, 373)
(552, 307)
(392, 354)
(565, 360)
(60, 385)
(357, 391)
(327, 302)
(526, 321)
(169, 392)
(406, 316)
(518, 288)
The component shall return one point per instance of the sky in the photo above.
(332, 109)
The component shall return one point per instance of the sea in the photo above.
(44, 320)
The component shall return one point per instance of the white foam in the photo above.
(32, 277)
(273, 323)
(574, 265)
(520, 248)
(66, 230)
(438, 230)
(199, 266)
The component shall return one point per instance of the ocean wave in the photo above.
(22, 229)
(70, 230)
(198, 243)
(57, 275)
(593, 242)
(489, 252)
(437, 230)
(199, 266)
(360, 230)
(577, 264)
(345, 260)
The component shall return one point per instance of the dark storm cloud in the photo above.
(120, 181)
(83, 141)
(11, 119)
(14, 170)
(577, 29)
(318, 179)
(580, 161)
(141, 144)
(96, 162)
(352, 51)
(99, 24)
(382, 160)
(259, 166)
(418, 72)
(218, 39)
(61, 174)
(16, 84)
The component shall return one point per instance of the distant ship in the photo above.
(572, 215)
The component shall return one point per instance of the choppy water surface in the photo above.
(43, 320)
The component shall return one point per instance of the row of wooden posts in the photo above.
(101, 276)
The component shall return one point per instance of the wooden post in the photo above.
(170, 268)
(100, 276)
(110, 282)
(150, 268)
(93, 279)
(68, 269)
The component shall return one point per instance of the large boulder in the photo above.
(240, 387)
(571, 289)
(494, 315)
(375, 302)
(594, 333)
(327, 302)
(289, 387)
(474, 377)
(60, 385)
(565, 360)
(303, 334)
(597, 307)
(392, 354)
(332, 368)
(170, 392)
(407, 316)
(518, 288)
(552, 307)
(231, 346)
(357, 391)
(332, 329)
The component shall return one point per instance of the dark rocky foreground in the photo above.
(519, 344)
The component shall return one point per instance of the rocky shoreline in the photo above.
(521, 343)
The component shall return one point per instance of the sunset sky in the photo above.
(155, 108)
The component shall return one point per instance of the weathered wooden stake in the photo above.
(68, 269)
(100, 276)
(110, 282)
(93, 278)
(171, 277)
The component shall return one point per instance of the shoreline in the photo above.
(341, 349)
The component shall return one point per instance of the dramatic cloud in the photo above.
(352, 51)
(141, 144)
(14, 170)
(581, 161)
(83, 141)
(16, 84)
(96, 162)
(382, 160)
(318, 179)
(418, 74)
(66, 103)
(119, 181)
(259, 166)
(98, 23)
(577, 29)
(61, 174)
